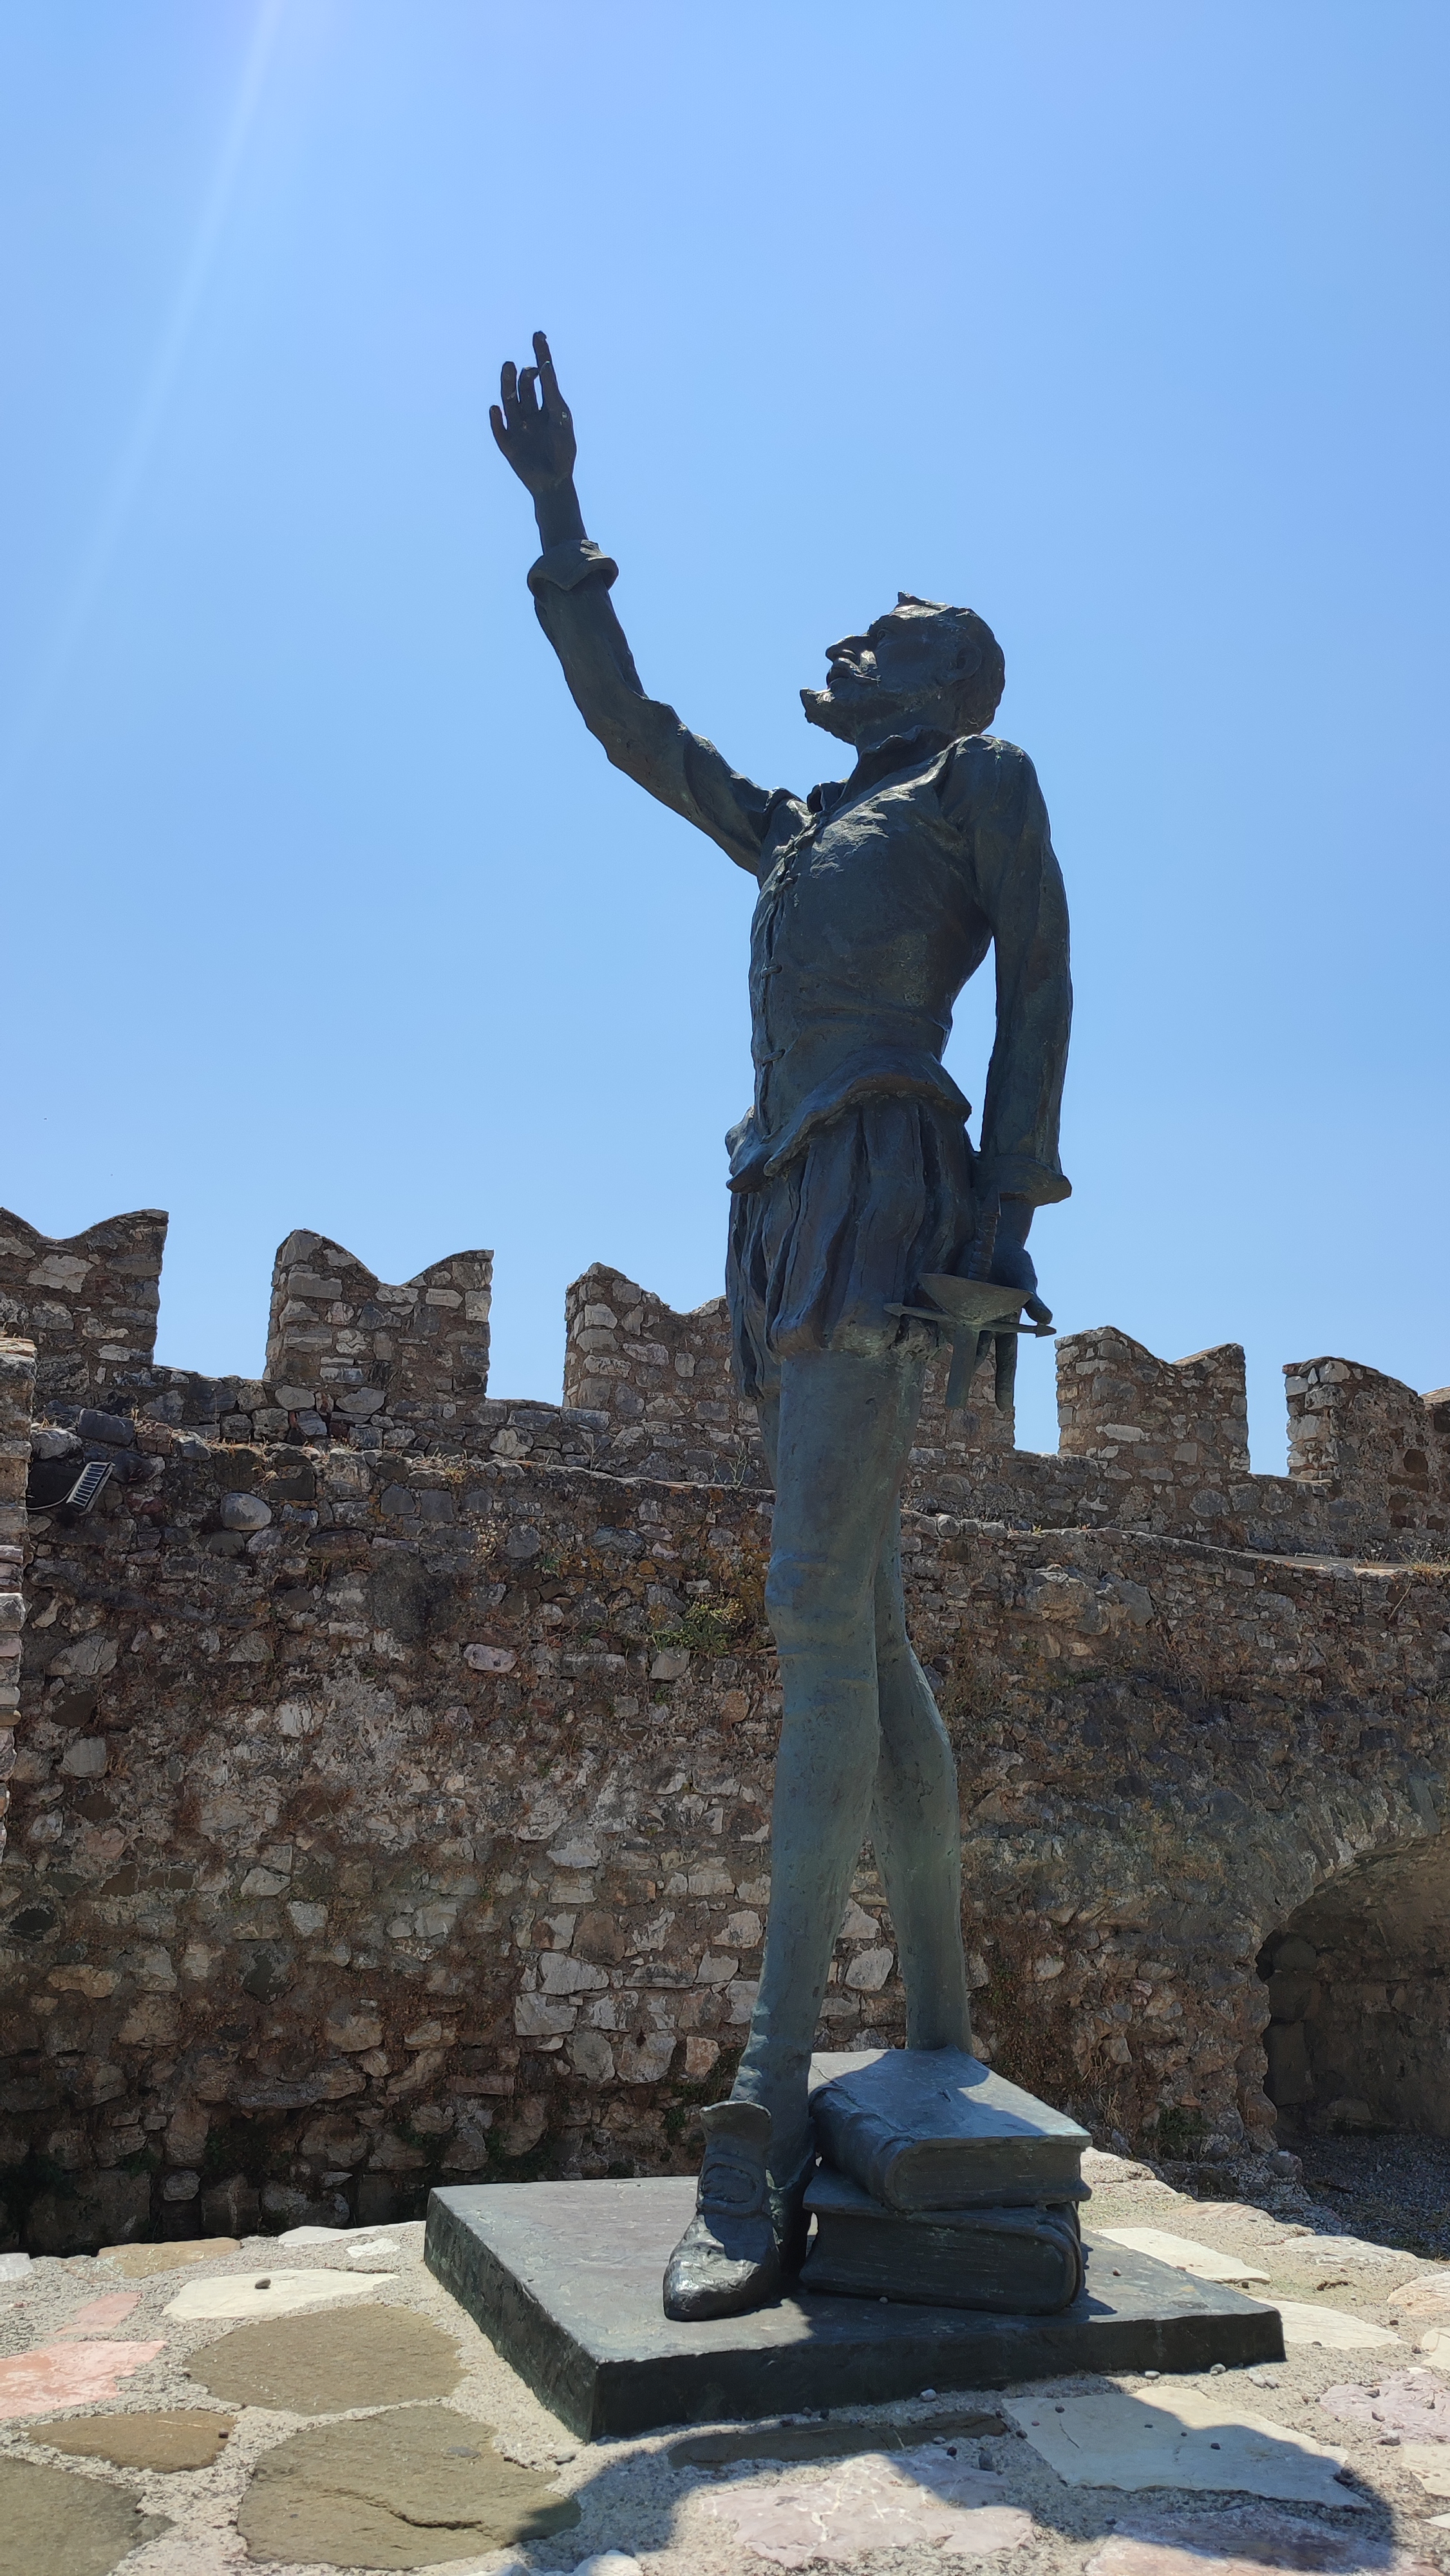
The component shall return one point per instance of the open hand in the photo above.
(532, 425)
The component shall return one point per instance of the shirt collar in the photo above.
(901, 751)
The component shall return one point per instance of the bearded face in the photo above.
(918, 665)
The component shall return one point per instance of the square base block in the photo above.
(564, 2279)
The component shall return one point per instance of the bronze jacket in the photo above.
(880, 895)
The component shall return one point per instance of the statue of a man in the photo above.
(852, 1177)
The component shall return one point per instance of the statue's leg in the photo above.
(841, 1440)
(916, 1825)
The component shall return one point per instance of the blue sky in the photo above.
(1125, 325)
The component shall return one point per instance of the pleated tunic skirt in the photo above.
(817, 1255)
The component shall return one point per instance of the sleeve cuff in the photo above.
(577, 560)
(1017, 1176)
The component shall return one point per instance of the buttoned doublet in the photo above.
(852, 1172)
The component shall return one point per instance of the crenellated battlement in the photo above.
(1353, 1431)
(662, 1380)
(1168, 1421)
(340, 1340)
(87, 1301)
(1145, 1444)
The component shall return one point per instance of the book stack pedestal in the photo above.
(942, 2184)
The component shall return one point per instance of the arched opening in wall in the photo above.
(1358, 2043)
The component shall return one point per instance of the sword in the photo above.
(971, 1310)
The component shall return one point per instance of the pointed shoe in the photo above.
(727, 2262)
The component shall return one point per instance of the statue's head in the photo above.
(921, 664)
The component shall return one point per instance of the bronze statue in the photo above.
(853, 1178)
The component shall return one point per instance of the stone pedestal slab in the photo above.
(564, 2278)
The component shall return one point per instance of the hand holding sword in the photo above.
(984, 1306)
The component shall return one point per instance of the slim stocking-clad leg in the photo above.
(839, 1440)
(916, 1825)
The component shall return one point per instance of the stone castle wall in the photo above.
(382, 1819)
(392, 1797)
(1165, 1425)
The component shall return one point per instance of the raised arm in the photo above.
(571, 584)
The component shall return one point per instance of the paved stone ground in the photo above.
(472, 2457)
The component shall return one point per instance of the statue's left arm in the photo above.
(991, 794)
(994, 796)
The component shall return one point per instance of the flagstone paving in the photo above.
(330, 2362)
(1430, 2463)
(138, 2262)
(54, 2525)
(1185, 2254)
(1305, 2321)
(101, 2316)
(1252, 2540)
(1427, 2296)
(1405, 2401)
(929, 2497)
(69, 2374)
(408, 2488)
(186, 2437)
(332, 2406)
(1176, 2436)
(270, 2293)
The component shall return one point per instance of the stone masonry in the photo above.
(340, 1341)
(392, 1804)
(87, 1301)
(1145, 1443)
(662, 1379)
(17, 1396)
(1355, 1433)
(380, 1820)
(1165, 1424)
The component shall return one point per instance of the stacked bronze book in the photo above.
(943, 2185)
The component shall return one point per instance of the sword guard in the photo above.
(966, 1345)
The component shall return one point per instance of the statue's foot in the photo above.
(728, 2260)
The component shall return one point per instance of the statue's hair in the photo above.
(974, 659)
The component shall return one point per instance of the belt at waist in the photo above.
(874, 1073)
